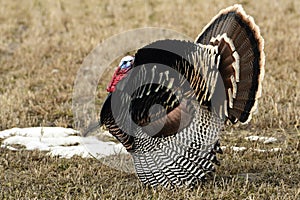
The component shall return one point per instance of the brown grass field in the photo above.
(42, 46)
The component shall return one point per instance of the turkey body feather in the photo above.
(170, 108)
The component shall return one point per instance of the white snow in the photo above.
(237, 149)
(234, 148)
(265, 140)
(66, 142)
(270, 150)
(63, 142)
(51, 132)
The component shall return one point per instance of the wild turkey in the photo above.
(168, 103)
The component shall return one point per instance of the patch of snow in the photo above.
(276, 149)
(9, 147)
(69, 151)
(265, 140)
(30, 143)
(63, 142)
(265, 150)
(234, 148)
(270, 140)
(45, 132)
(238, 148)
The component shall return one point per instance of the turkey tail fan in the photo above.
(242, 59)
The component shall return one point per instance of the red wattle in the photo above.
(118, 75)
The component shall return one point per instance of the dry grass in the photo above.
(244, 175)
(42, 45)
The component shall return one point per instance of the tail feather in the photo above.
(242, 59)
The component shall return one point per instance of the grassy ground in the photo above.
(42, 45)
